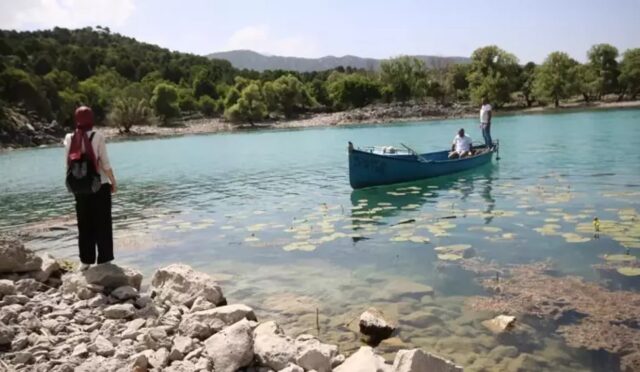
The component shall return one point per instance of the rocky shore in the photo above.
(28, 131)
(54, 318)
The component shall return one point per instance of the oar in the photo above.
(415, 153)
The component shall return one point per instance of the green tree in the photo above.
(586, 81)
(232, 97)
(602, 58)
(19, 87)
(555, 79)
(630, 72)
(129, 111)
(165, 101)
(352, 90)
(404, 75)
(186, 100)
(209, 106)
(527, 78)
(493, 74)
(456, 83)
(250, 106)
(287, 95)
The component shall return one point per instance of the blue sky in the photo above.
(368, 28)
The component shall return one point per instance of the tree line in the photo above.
(127, 82)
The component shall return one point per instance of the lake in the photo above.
(272, 216)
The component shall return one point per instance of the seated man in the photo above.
(461, 146)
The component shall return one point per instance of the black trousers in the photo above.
(94, 226)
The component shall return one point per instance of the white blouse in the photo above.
(99, 149)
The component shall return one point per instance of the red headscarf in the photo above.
(84, 123)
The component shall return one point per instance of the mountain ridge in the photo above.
(250, 60)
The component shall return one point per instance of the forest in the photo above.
(128, 83)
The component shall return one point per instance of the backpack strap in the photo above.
(91, 136)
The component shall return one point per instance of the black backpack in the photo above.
(82, 176)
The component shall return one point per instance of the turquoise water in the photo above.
(274, 213)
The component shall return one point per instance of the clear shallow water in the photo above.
(274, 212)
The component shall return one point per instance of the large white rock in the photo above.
(181, 285)
(16, 258)
(49, 266)
(417, 360)
(120, 311)
(312, 354)
(272, 348)
(202, 324)
(96, 278)
(7, 287)
(364, 360)
(6, 334)
(112, 276)
(231, 348)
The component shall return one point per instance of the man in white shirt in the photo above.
(485, 121)
(461, 146)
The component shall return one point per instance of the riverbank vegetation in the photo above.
(127, 82)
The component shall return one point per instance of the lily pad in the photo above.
(619, 257)
(449, 257)
(629, 271)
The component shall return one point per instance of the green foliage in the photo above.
(287, 95)
(233, 95)
(456, 83)
(165, 101)
(630, 72)
(129, 111)
(555, 79)
(209, 106)
(586, 81)
(406, 76)
(602, 58)
(186, 101)
(493, 75)
(250, 107)
(19, 87)
(526, 80)
(354, 90)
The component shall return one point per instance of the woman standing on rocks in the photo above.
(90, 178)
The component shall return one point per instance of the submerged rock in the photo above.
(203, 324)
(16, 258)
(181, 285)
(499, 324)
(374, 325)
(417, 360)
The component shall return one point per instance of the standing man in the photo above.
(485, 121)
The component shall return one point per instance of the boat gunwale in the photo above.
(414, 159)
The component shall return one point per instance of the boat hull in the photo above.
(368, 169)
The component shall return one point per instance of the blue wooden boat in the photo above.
(379, 166)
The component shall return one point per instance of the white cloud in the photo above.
(260, 39)
(29, 14)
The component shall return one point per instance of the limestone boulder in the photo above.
(417, 360)
(232, 348)
(272, 348)
(16, 258)
(124, 293)
(181, 285)
(375, 325)
(364, 360)
(49, 267)
(7, 287)
(202, 324)
(311, 354)
(6, 335)
(112, 276)
(119, 311)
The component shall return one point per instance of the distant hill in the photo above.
(247, 59)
